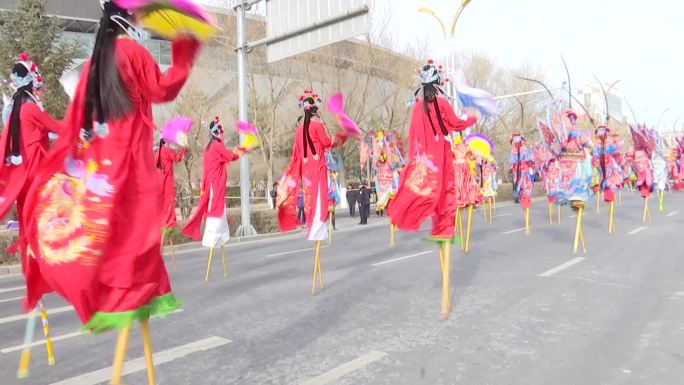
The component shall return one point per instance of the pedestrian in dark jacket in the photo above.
(351, 199)
(364, 203)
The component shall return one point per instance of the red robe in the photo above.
(168, 184)
(427, 184)
(312, 172)
(93, 208)
(212, 202)
(34, 126)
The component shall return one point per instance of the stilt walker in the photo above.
(427, 184)
(576, 173)
(93, 209)
(486, 167)
(333, 193)
(166, 158)
(644, 147)
(468, 193)
(522, 167)
(609, 173)
(23, 146)
(308, 169)
(211, 208)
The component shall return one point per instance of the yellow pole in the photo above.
(661, 201)
(46, 332)
(147, 346)
(25, 359)
(120, 355)
(330, 231)
(317, 273)
(559, 214)
(528, 230)
(211, 254)
(647, 213)
(392, 244)
(446, 273)
(459, 217)
(491, 210)
(550, 206)
(584, 246)
(225, 265)
(578, 229)
(598, 202)
(611, 221)
(470, 221)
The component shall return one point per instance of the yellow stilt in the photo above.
(459, 217)
(559, 215)
(584, 246)
(446, 274)
(25, 359)
(318, 272)
(528, 229)
(161, 245)
(211, 255)
(611, 221)
(470, 222)
(46, 333)
(494, 202)
(598, 202)
(330, 229)
(147, 346)
(120, 355)
(491, 210)
(578, 230)
(225, 265)
(440, 250)
(647, 212)
(550, 206)
(392, 229)
(661, 201)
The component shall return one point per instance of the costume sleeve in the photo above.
(177, 157)
(225, 154)
(161, 87)
(43, 120)
(323, 137)
(452, 121)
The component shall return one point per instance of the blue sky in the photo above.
(638, 42)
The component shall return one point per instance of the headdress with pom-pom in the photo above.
(215, 128)
(431, 74)
(308, 99)
(33, 75)
(517, 137)
(602, 131)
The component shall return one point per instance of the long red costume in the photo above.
(427, 184)
(212, 204)
(166, 159)
(308, 166)
(93, 211)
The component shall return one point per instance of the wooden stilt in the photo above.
(491, 210)
(470, 222)
(578, 230)
(528, 229)
(147, 347)
(484, 210)
(459, 218)
(225, 265)
(46, 333)
(392, 229)
(550, 206)
(446, 274)
(647, 212)
(661, 201)
(611, 221)
(330, 229)
(120, 355)
(211, 255)
(584, 246)
(318, 272)
(25, 359)
(559, 215)
(620, 197)
(598, 202)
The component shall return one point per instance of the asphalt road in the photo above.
(526, 310)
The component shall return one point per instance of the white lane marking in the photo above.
(637, 230)
(11, 349)
(562, 267)
(11, 299)
(513, 231)
(344, 369)
(400, 258)
(9, 289)
(502, 215)
(25, 316)
(292, 252)
(138, 364)
(672, 214)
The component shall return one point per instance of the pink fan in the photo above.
(176, 131)
(250, 141)
(336, 107)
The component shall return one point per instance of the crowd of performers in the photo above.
(94, 202)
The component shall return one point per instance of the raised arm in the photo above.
(453, 122)
(43, 120)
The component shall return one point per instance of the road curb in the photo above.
(10, 269)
